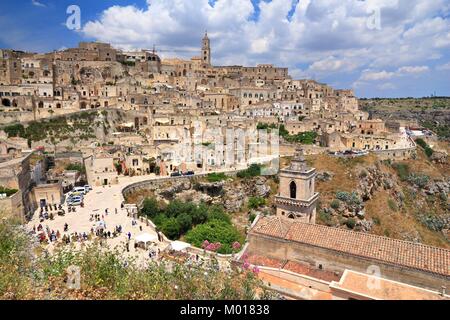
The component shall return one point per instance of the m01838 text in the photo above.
(237, 309)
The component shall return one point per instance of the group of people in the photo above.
(99, 230)
(48, 234)
(75, 237)
(102, 233)
(97, 217)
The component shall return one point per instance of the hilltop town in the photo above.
(310, 188)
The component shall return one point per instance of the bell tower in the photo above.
(206, 50)
(296, 198)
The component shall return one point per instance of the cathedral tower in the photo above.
(206, 50)
(296, 198)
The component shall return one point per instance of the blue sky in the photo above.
(390, 48)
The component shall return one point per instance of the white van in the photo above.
(81, 190)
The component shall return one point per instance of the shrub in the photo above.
(77, 167)
(15, 130)
(217, 213)
(177, 218)
(215, 177)
(8, 191)
(335, 204)
(253, 171)
(350, 223)
(325, 217)
(392, 205)
(349, 198)
(150, 207)
(185, 222)
(376, 220)
(425, 147)
(215, 231)
(256, 202)
(252, 217)
(363, 174)
(171, 228)
(402, 170)
(308, 137)
(433, 222)
(419, 180)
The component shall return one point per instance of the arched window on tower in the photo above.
(293, 190)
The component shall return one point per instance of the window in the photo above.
(293, 190)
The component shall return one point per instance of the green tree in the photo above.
(215, 231)
(256, 202)
(185, 222)
(150, 207)
(171, 228)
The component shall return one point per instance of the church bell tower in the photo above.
(296, 198)
(206, 50)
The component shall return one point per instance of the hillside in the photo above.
(404, 200)
(432, 113)
(69, 131)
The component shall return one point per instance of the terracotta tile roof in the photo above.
(392, 251)
(312, 272)
(264, 261)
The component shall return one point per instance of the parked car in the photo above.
(79, 189)
(75, 202)
(175, 174)
(189, 173)
(87, 188)
(75, 194)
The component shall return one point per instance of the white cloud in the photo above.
(328, 36)
(443, 67)
(376, 76)
(370, 75)
(387, 86)
(413, 69)
(37, 3)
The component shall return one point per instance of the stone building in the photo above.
(15, 174)
(329, 249)
(296, 198)
(100, 169)
(49, 193)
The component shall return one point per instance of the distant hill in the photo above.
(432, 113)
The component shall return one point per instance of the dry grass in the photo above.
(344, 178)
(397, 224)
(138, 196)
(422, 165)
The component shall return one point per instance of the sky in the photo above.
(379, 48)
